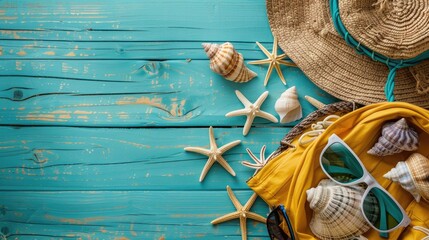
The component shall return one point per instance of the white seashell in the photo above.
(413, 175)
(337, 211)
(395, 137)
(227, 62)
(288, 106)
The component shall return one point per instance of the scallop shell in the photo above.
(413, 175)
(337, 212)
(227, 62)
(288, 106)
(395, 137)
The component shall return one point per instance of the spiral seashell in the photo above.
(288, 106)
(395, 137)
(227, 62)
(413, 175)
(337, 211)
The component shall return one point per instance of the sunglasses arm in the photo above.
(383, 214)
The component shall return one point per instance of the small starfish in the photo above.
(214, 154)
(242, 213)
(251, 110)
(274, 60)
(316, 103)
(259, 163)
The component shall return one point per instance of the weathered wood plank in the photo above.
(134, 20)
(121, 215)
(160, 50)
(134, 93)
(52, 158)
(128, 63)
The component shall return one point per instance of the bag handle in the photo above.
(333, 108)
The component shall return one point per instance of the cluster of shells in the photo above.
(229, 63)
(336, 209)
(413, 173)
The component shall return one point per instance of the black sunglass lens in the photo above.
(341, 164)
(380, 209)
(276, 223)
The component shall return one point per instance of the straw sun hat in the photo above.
(367, 51)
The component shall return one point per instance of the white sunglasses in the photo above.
(344, 167)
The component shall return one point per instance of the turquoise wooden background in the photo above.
(98, 100)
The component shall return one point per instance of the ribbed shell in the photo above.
(395, 137)
(413, 175)
(288, 106)
(337, 212)
(227, 62)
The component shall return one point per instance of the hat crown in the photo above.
(306, 32)
(397, 29)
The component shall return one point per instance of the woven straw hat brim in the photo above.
(306, 34)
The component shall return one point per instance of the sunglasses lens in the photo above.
(381, 210)
(276, 222)
(341, 164)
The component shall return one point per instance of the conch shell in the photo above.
(227, 62)
(413, 175)
(288, 106)
(337, 211)
(395, 137)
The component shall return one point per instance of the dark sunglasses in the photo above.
(275, 219)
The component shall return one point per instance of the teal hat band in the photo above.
(392, 64)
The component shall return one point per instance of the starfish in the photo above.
(274, 60)
(214, 154)
(259, 163)
(242, 213)
(316, 103)
(251, 110)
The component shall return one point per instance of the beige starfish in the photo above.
(214, 154)
(316, 103)
(242, 213)
(251, 110)
(259, 163)
(274, 60)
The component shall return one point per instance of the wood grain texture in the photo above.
(134, 20)
(90, 50)
(134, 93)
(98, 100)
(73, 159)
(120, 215)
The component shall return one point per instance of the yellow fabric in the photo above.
(285, 179)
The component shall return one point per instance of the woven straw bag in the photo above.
(338, 108)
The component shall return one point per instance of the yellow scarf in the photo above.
(285, 179)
